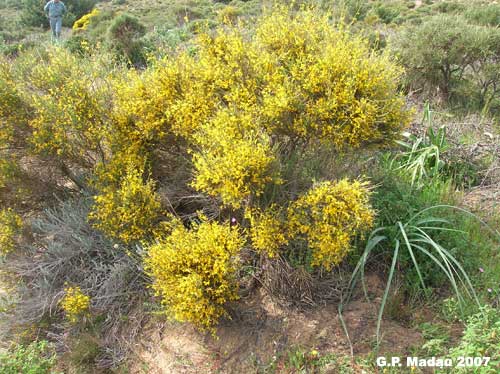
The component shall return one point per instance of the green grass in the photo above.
(35, 358)
(301, 360)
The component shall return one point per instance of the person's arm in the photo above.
(46, 8)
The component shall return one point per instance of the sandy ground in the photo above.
(262, 331)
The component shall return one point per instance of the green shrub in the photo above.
(449, 7)
(481, 339)
(79, 44)
(458, 60)
(36, 358)
(486, 15)
(354, 9)
(32, 13)
(437, 52)
(387, 13)
(166, 39)
(124, 39)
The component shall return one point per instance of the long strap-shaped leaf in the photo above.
(425, 251)
(372, 242)
(408, 246)
(452, 207)
(464, 273)
(451, 270)
(387, 287)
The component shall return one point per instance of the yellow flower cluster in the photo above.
(69, 107)
(230, 162)
(141, 103)
(84, 21)
(194, 271)
(328, 216)
(268, 230)
(10, 226)
(129, 212)
(323, 83)
(75, 303)
(13, 111)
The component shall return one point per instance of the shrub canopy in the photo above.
(211, 127)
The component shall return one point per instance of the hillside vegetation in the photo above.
(267, 187)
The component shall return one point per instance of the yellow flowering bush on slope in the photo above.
(128, 213)
(194, 270)
(13, 110)
(54, 109)
(228, 113)
(70, 108)
(75, 303)
(297, 77)
(237, 103)
(328, 216)
(14, 116)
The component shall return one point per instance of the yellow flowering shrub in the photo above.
(7, 171)
(296, 79)
(194, 271)
(130, 211)
(219, 77)
(10, 226)
(13, 109)
(75, 304)
(268, 231)
(140, 111)
(231, 162)
(14, 115)
(83, 22)
(328, 216)
(222, 117)
(323, 83)
(69, 104)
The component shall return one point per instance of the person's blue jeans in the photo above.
(55, 26)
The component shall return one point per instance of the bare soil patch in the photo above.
(262, 330)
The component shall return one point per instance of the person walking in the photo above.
(55, 10)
